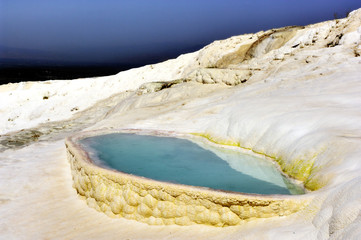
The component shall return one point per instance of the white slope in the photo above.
(300, 103)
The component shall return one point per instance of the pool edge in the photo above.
(160, 203)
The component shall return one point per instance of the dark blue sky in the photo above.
(127, 31)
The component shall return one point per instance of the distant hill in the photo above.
(17, 64)
(135, 55)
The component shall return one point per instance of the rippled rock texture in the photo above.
(292, 94)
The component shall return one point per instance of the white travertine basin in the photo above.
(157, 202)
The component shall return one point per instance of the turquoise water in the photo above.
(181, 161)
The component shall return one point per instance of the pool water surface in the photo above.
(185, 162)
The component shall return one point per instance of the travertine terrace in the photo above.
(160, 203)
(291, 94)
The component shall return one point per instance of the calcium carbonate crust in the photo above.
(154, 202)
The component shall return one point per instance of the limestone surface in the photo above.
(292, 94)
(123, 195)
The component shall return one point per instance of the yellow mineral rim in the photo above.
(154, 202)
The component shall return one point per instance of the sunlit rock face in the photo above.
(292, 94)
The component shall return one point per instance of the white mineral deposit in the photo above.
(291, 94)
